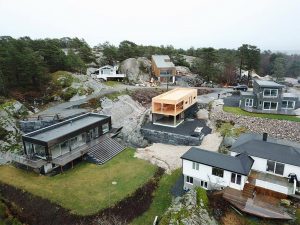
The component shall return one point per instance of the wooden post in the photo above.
(72, 164)
(61, 169)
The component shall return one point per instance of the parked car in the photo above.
(241, 87)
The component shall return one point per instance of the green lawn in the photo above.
(161, 201)
(239, 111)
(112, 83)
(85, 188)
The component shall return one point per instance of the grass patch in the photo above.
(227, 129)
(239, 111)
(161, 201)
(63, 79)
(112, 83)
(297, 221)
(114, 96)
(202, 196)
(84, 190)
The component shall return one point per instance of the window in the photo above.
(270, 93)
(105, 128)
(249, 102)
(275, 167)
(288, 104)
(236, 178)
(217, 172)
(270, 105)
(203, 184)
(195, 166)
(189, 180)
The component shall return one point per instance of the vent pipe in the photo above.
(265, 136)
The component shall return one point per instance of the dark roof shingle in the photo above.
(240, 164)
(272, 149)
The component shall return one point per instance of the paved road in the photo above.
(212, 96)
(66, 109)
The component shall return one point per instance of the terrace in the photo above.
(261, 205)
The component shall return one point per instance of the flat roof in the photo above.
(162, 61)
(175, 94)
(63, 128)
(240, 164)
(267, 83)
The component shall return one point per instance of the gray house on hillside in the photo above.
(268, 97)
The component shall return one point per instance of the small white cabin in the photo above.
(108, 72)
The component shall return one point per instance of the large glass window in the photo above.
(64, 147)
(105, 128)
(270, 105)
(275, 167)
(270, 92)
(217, 172)
(249, 102)
(189, 180)
(288, 104)
(236, 178)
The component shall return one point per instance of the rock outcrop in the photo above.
(129, 114)
(137, 69)
(186, 210)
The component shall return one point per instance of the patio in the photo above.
(261, 206)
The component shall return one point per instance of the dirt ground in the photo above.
(168, 156)
(212, 142)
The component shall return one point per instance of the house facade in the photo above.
(163, 68)
(59, 144)
(266, 164)
(268, 97)
(214, 171)
(108, 72)
(168, 109)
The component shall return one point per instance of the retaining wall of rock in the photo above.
(281, 129)
(170, 138)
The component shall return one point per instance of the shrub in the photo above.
(201, 195)
(63, 79)
(2, 210)
(68, 93)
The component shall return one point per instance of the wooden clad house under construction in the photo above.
(168, 108)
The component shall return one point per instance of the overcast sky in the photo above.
(268, 24)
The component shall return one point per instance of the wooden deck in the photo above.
(258, 206)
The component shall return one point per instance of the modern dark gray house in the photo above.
(62, 143)
(268, 97)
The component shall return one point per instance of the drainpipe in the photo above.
(295, 186)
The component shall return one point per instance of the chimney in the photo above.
(265, 136)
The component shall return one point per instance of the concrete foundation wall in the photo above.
(170, 138)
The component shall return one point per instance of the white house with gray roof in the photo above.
(212, 170)
(256, 160)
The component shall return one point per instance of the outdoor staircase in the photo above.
(248, 190)
(104, 151)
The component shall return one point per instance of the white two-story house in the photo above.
(264, 162)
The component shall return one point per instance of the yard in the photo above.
(239, 111)
(87, 188)
(161, 201)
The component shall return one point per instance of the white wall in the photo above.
(261, 165)
(272, 186)
(205, 173)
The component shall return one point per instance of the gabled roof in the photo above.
(240, 164)
(162, 61)
(267, 83)
(272, 149)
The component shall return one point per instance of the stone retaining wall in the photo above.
(170, 138)
(281, 129)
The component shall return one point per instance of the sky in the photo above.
(268, 24)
